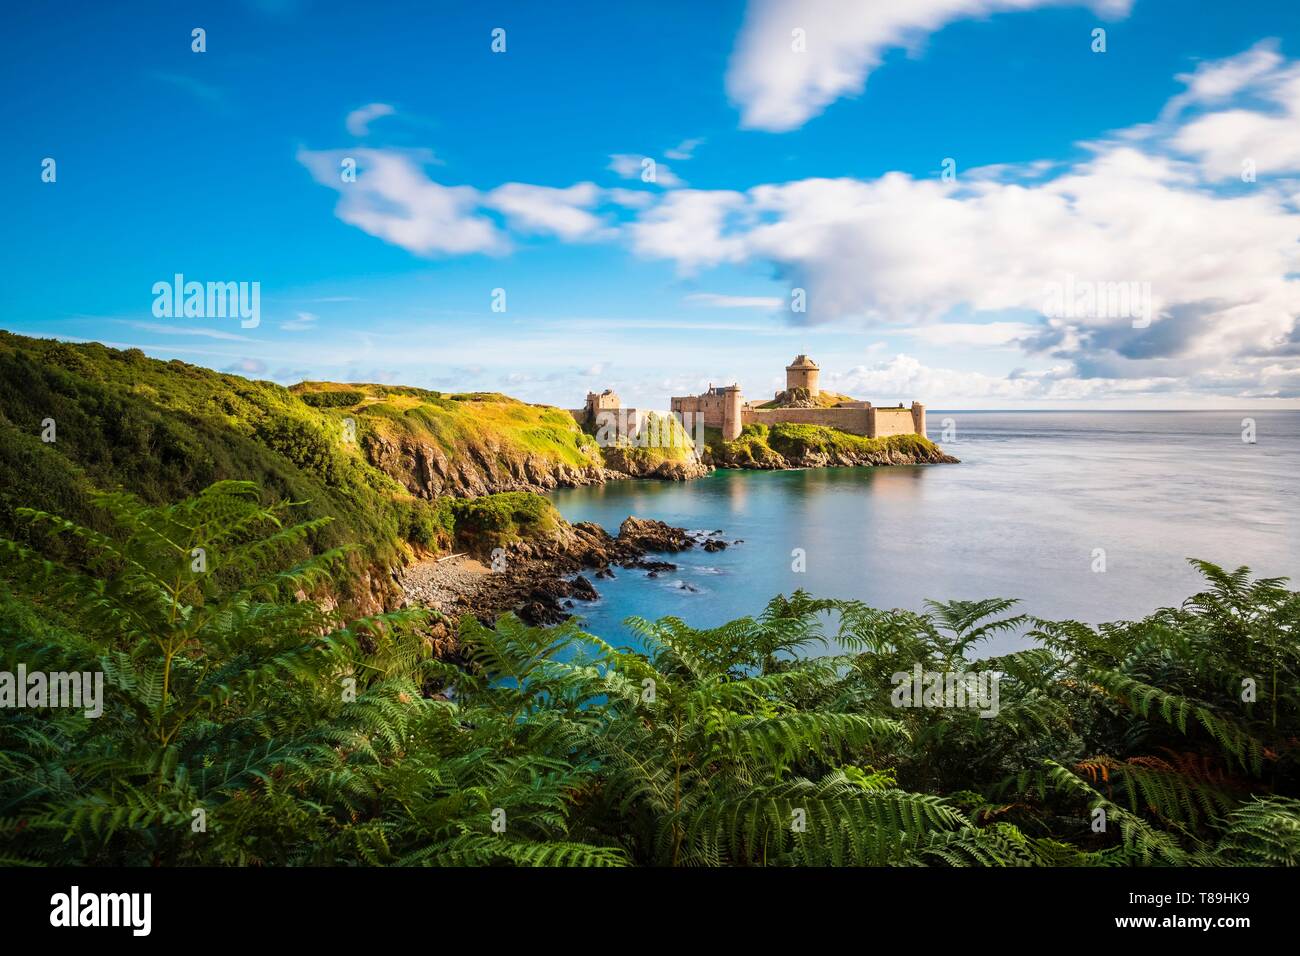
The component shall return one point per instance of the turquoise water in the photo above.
(1035, 494)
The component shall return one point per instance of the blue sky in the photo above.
(778, 169)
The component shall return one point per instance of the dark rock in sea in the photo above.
(650, 565)
(651, 535)
(583, 590)
(538, 613)
(713, 544)
(606, 573)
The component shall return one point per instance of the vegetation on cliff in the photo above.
(241, 725)
(459, 444)
(787, 445)
(76, 419)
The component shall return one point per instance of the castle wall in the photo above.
(892, 421)
(856, 421)
(709, 407)
(720, 410)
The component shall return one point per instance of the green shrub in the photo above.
(493, 521)
(338, 398)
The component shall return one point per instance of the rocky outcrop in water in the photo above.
(541, 579)
(769, 459)
(651, 535)
(627, 463)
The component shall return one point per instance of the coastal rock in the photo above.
(539, 578)
(651, 535)
(655, 566)
(583, 590)
(632, 463)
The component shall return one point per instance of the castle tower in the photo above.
(731, 404)
(803, 373)
(918, 419)
(605, 401)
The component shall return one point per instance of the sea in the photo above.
(1088, 516)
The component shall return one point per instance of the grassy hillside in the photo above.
(456, 422)
(165, 430)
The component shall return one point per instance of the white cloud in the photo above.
(394, 200)
(359, 120)
(902, 251)
(630, 198)
(1215, 80)
(1223, 141)
(718, 301)
(629, 166)
(691, 227)
(192, 331)
(561, 212)
(778, 89)
(971, 334)
(301, 322)
(684, 150)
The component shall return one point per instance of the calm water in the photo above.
(1035, 494)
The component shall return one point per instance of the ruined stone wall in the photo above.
(709, 406)
(856, 421)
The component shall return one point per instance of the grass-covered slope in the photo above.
(165, 430)
(435, 443)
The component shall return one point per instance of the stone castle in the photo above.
(724, 407)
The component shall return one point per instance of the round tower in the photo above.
(803, 373)
(732, 402)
